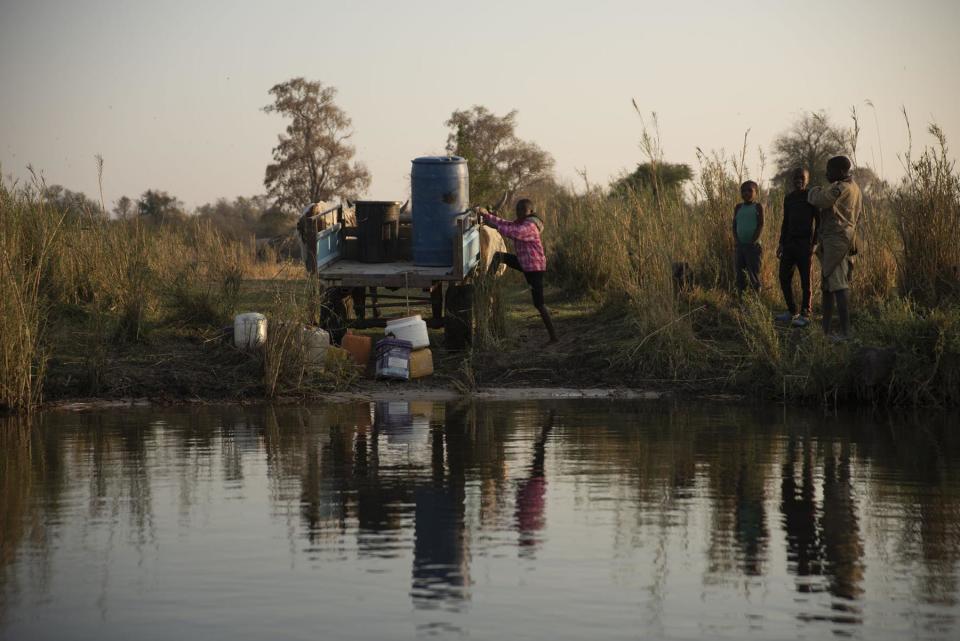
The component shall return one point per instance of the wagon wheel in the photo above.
(458, 323)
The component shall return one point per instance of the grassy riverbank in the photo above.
(91, 307)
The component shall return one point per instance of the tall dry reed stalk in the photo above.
(29, 237)
(286, 355)
(927, 207)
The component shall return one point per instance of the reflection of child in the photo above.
(747, 226)
(531, 493)
(530, 257)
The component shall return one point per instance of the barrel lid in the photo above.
(439, 160)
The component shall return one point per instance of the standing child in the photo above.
(797, 237)
(747, 227)
(839, 204)
(529, 258)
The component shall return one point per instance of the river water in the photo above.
(495, 520)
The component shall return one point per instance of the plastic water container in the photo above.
(249, 330)
(358, 346)
(421, 363)
(317, 341)
(393, 359)
(411, 328)
(439, 192)
(336, 357)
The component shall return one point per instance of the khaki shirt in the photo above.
(840, 204)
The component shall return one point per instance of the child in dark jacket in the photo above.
(797, 238)
(747, 227)
(529, 258)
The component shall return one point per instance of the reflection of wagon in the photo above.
(339, 269)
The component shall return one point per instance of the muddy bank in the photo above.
(387, 393)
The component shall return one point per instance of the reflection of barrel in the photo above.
(378, 230)
(439, 193)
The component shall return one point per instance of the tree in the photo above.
(669, 176)
(124, 208)
(809, 143)
(236, 218)
(72, 203)
(312, 160)
(275, 222)
(160, 207)
(498, 160)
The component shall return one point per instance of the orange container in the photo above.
(421, 363)
(359, 348)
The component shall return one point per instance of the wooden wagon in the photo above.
(448, 289)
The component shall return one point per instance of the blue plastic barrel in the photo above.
(439, 192)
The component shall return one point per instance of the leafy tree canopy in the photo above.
(160, 207)
(498, 160)
(649, 178)
(312, 159)
(72, 203)
(809, 142)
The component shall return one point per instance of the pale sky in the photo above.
(170, 92)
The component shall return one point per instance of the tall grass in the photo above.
(288, 370)
(29, 238)
(927, 208)
(625, 251)
(119, 278)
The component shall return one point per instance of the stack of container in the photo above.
(412, 330)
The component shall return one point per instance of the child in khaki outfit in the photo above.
(839, 203)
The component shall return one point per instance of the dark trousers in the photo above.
(796, 255)
(748, 266)
(534, 279)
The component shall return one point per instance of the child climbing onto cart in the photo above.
(529, 258)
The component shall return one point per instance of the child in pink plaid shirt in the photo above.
(530, 257)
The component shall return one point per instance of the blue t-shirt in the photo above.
(746, 221)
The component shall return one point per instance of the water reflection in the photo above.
(845, 521)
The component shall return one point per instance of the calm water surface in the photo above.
(499, 520)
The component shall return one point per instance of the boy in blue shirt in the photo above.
(747, 227)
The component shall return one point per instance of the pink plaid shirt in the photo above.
(526, 241)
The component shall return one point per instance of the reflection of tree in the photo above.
(842, 547)
(923, 453)
(326, 483)
(24, 471)
(940, 539)
(751, 520)
(738, 461)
